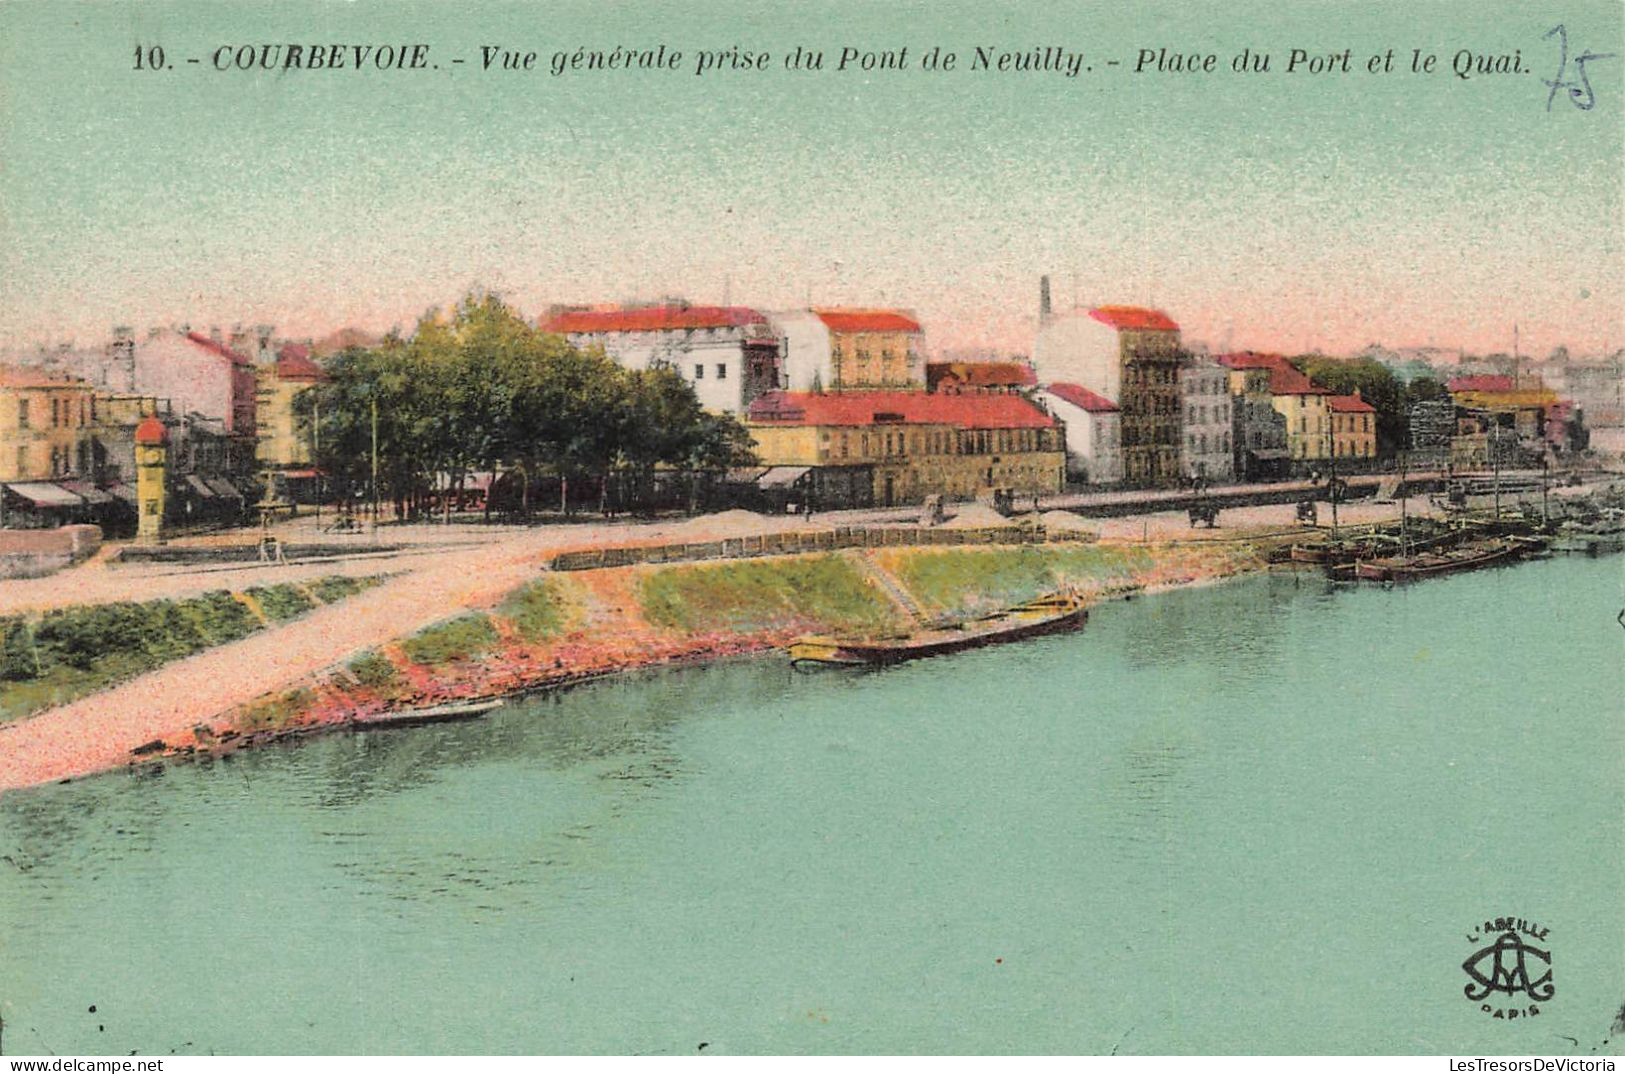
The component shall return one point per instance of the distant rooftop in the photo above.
(1082, 398)
(878, 408)
(1137, 318)
(1285, 379)
(653, 319)
(866, 320)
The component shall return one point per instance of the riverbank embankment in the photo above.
(560, 629)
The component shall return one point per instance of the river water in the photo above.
(1263, 816)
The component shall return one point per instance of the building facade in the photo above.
(1354, 428)
(52, 451)
(1204, 390)
(47, 426)
(1094, 433)
(728, 353)
(1432, 422)
(1258, 430)
(1130, 355)
(834, 349)
(282, 442)
(1299, 400)
(895, 448)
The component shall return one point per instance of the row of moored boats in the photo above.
(1425, 548)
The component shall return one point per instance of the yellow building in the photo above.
(872, 350)
(281, 444)
(1354, 427)
(1295, 397)
(888, 448)
(47, 426)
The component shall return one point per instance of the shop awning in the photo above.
(45, 494)
(91, 493)
(1270, 454)
(225, 488)
(301, 475)
(201, 487)
(123, 492)
(782, 476)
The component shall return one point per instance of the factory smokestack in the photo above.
(1045, 312)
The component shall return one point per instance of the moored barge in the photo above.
(1049, 614)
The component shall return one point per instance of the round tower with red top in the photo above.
(151, 460)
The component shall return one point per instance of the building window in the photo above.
(699, 370)
(22, 413)
(22, 462)
(722, 371)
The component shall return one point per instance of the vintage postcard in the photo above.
(749, 527)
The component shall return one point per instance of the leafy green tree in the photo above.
(1376, 384)
(477, 388)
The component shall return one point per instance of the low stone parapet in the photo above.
(800, 541)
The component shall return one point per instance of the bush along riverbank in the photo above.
(72, 652)
(565, 629)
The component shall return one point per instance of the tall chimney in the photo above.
(120, 371)
(1045, 312)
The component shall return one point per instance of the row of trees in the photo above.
(478, 389)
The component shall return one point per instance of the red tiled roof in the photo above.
(1082, 398)
(1134, 317)
(214, 346)
(1350, 404)
(918, 408)
(982, 374)
(844, 320)
(293, 363)
(1487, 383)
(653, 319)
(1285, 379)
(13, 376)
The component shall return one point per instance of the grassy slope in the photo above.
(70, 652)
(825, 592)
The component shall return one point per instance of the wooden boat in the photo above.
(442, 713)
(1311, 553)
(1433, 564)
(1606, 534)
(1049, 614)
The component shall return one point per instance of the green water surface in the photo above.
(1261, 817)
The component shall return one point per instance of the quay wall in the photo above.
(36, 553)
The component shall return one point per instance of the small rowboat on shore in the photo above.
(1049, 614)
(442, 713)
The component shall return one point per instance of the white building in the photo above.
(1093, 432)
(807, 364)
(1204, 399)
(1081, 349)
(728, 353)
